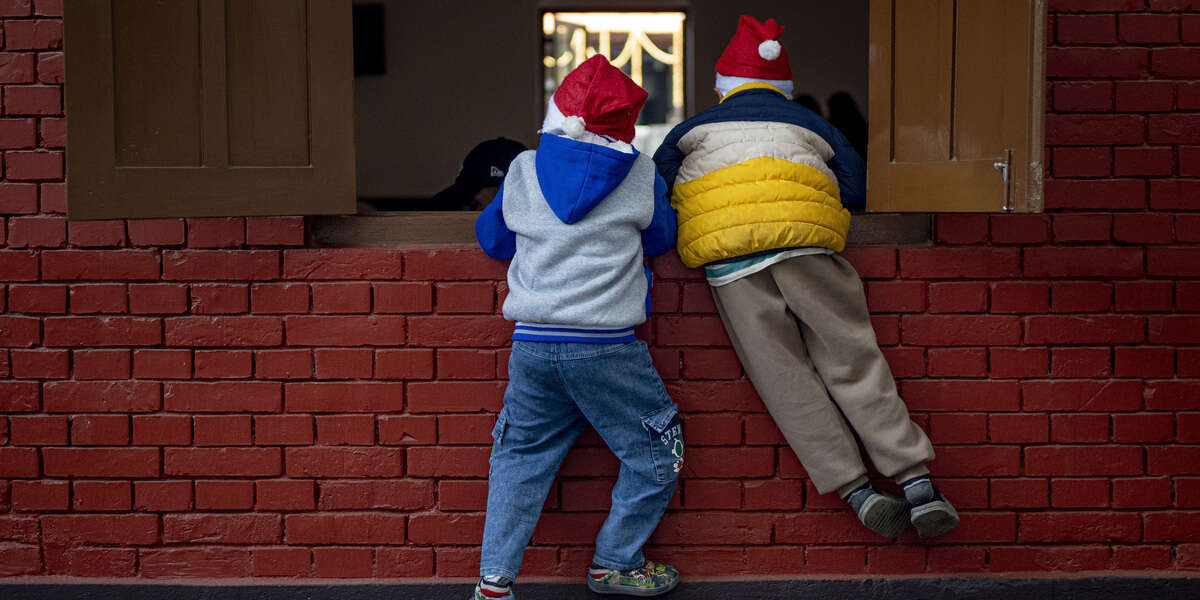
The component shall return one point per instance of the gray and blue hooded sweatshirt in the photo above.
(576, 218)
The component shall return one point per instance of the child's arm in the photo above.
(659, 236)
(668, 158)
(494, 236)
(850, 169)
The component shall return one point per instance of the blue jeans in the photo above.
(554, 390)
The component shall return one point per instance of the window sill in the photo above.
(458, 228)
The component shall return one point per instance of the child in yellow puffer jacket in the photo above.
(761, 186)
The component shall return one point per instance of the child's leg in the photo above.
(768, 342)
(532, 436)
(827, 297)
(772, 350)
(621, 394)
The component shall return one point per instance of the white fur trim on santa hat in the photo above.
(728, 83)
(557, 124)
(769, 50)
(574, 126)
(553, 123)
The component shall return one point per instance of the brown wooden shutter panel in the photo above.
(956, 87)
(209, 108)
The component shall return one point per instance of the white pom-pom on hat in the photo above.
(769, 50)
(573, 126)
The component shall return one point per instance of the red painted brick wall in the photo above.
(208, 397)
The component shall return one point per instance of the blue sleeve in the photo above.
(850, 170)
(668, 158)
(659, 236)
(494, 236)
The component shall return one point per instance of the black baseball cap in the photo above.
(485, 166)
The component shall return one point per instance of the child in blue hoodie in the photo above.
(576, 217)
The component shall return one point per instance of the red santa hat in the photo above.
(755, 52)
(599, 98)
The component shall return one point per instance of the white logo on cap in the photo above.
(496, 172)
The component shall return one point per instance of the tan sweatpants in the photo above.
(803, 333)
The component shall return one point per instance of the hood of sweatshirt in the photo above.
(576, 176)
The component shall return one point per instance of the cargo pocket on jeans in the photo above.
(498, 433)
(666, 442)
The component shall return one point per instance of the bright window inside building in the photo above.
(646, 46)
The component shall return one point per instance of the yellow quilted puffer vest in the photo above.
(757, 205)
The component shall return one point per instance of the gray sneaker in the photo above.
(931, 514)
(883, 513)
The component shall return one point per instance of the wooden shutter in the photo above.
(209, 108)
(957, 86)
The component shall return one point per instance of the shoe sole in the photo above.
(634, 591)
(884, 515)
(934, 518)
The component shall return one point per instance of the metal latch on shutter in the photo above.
(1004, 167)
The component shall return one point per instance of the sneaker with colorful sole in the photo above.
(651, 579)
(490, 594)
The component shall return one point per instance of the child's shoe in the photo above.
(931, 514)
(882, 513)
(493, 589)
(650, 580)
